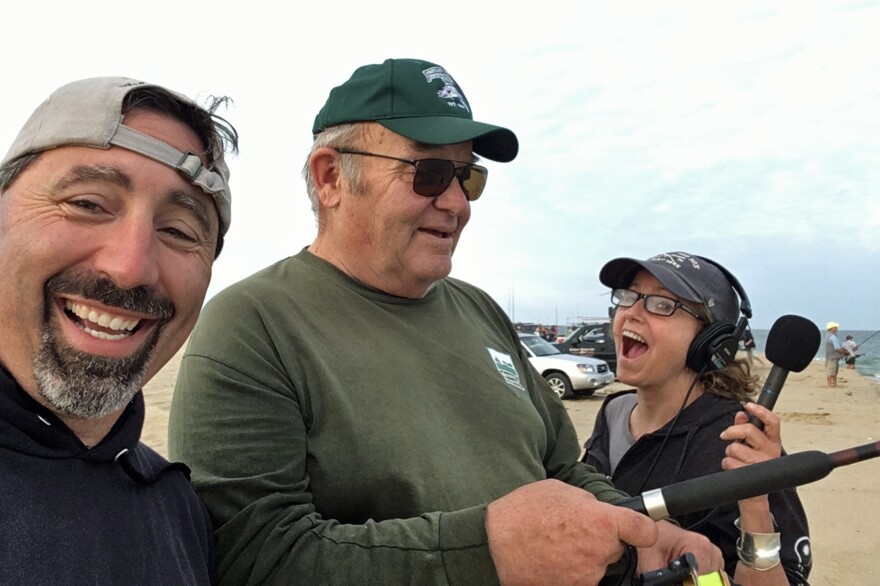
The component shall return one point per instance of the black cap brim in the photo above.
(620, 272)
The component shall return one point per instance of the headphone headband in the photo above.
(717, 344)
(745, 306)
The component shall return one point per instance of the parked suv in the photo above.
(567, 375)
(591, 339)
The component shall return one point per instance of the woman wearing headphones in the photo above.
(677, 325)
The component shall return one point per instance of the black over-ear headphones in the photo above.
(717, 344)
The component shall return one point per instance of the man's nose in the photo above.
(453, 198)
(129, 256)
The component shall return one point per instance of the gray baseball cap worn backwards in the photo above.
(88, 113)
(417, 100)
(690, 277)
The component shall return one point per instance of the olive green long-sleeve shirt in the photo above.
(341, 435)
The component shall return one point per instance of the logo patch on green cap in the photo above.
(449, 91)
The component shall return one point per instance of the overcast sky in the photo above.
(747, 132)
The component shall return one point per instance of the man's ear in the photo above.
(326, 175)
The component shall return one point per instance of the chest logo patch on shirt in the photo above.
(507, 369)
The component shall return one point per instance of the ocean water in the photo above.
(867, 365)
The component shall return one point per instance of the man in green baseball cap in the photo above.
(354, 415)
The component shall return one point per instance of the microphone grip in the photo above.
(770, 392)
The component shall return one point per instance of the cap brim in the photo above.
(620, 272)
(492, 142)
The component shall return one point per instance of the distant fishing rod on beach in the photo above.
(869, 337)
(859, 344)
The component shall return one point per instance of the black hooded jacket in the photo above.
(117, 513)
(694, 449)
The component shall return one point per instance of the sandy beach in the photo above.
(843, 521)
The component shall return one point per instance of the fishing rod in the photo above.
(860, 344)
(729, 486)
(869, 337)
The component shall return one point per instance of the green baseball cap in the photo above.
(418, 100)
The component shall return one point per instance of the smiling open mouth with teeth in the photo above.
(100, 324)
(633, 345)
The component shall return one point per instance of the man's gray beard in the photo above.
(85, 386)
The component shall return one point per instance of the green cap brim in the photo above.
(490, 141)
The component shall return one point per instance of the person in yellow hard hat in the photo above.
(833, 353)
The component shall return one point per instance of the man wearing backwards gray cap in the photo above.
(113, 203)
(355, 416)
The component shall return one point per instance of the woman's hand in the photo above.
(749, 444)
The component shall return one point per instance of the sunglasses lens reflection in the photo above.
(473, 180)
(433, 176)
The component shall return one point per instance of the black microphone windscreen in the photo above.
(792, 342)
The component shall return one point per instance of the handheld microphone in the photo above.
(791, 344)
(729, 486)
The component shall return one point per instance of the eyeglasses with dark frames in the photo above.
(656, 304)
(433, 176)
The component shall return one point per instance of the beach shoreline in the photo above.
(843, 521)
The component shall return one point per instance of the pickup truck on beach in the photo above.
(591, 339)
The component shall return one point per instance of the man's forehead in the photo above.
(111, 111)
(375, 134)
(69, 166)
(179, 135)
(166, 129)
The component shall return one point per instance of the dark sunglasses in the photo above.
(656, 304)
(433, 176)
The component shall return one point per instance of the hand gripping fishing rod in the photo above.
(728, 486)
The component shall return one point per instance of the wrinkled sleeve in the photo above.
(562, 458)
(242, 427)
(563, 448)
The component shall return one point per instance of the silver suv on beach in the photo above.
(568, 375)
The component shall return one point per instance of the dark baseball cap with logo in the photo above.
(418, 100)
(690, 277)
